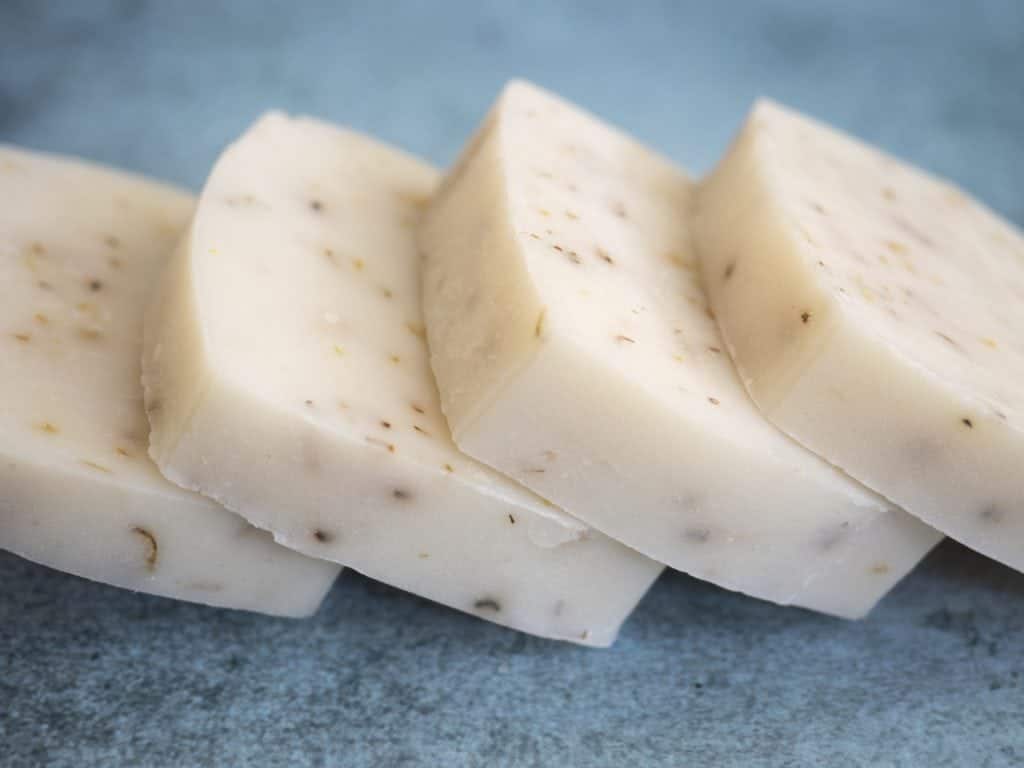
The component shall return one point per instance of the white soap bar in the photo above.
(574, 351)
(80, 247)
(287, 376)
(877, 315)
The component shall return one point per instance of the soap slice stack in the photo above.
(519, 389)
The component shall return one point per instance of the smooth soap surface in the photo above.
(80, 247)
(287, 376)
(575, 351)
(877, 315)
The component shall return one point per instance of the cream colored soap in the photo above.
(80, 247)
(876, 314)
(287, 376)
(574, 351)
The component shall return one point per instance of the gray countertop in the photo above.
(90, 675)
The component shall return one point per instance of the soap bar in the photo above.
(80, 247)
(287, 376)
(574, 351)
(877, 315)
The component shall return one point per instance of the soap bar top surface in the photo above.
(287, 376)
(877, 314)
(80, 247)
(574, 350)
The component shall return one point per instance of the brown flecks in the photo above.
(152, 550)
(534, 236)
(115, 263)
(417, 330)
(832, 537)
(990, 343)
(967, 423)
(418, 408)
(710, 313)
(574, 257)
(538, 327)
(94, 465)
(316, 205)
(697, 535)
(715, 350)
(949, 340)
(896, 247)
(550, 455)
(358, 265)
(879, 569)
(380, 443)
(89, 334)
(111, 242)
(44, 286)
(24, 338)
(421, 430)
(395, 359)
(603, 255)
(324, 537)
(619, 209)
(991, 514)
(1000, 415)
(386, 292)
(625, 339)
(123, 452)
(95, 286)
(40, 318)
(819, 208)
(401, 494)
(487, 604)
(385, 424)
(889, 193)
(330, 255)
(415, 199)
(572, 187)
(572, 216)
(153, 406)
(714, 401)
(511, 519)
(36, 249)
(309, 403)
(448, 468)
(730, 268)
(558, 248)
(423, 555)
(805, 317)
(48, 427)
(342, 405)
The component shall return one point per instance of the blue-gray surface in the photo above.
(93, 676)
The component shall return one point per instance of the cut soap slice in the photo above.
(80, 247)
(287, 376)
(574, 351)
(876, 314)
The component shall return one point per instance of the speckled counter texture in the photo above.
(92, 676)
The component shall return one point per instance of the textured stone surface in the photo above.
(90, 675)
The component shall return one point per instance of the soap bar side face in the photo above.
(905, 371)
(485, 322)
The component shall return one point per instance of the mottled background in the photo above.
(92, 676)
